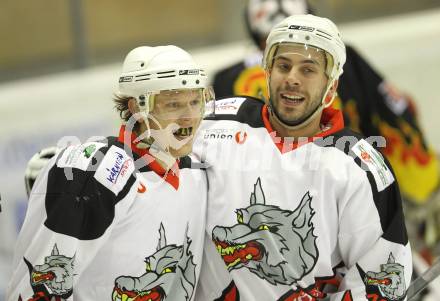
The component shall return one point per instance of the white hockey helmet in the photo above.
(148, 70)
(36, 164)
(312, 31)
(262, 15)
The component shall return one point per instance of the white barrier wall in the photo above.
(37, 112)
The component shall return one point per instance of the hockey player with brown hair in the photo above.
(122, 218)
(300, 208)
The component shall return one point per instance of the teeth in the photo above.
(184, 131)
(229, 250)
(292, 97)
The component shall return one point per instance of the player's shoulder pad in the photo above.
(106, 161)
(244, 109)
(364, 154)
(84, 186)
(81, 156)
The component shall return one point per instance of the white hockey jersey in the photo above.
(315, 219)
(105, 222)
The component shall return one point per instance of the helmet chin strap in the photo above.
(146, 140)
(157, 141)
(305, 121)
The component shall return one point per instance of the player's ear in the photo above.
(334, 87)
(133, 107)
(331, 94)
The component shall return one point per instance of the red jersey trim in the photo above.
(171, 176)
(331, 118)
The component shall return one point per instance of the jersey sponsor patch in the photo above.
(79, 156)
(376, 164)
(219, 133)
(228, 105)
(115, 169)
(239, 137)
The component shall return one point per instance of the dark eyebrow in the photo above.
(305, 61)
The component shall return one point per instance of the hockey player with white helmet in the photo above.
(314, 46)
(300, 208)
(171, 88)
(122, 218)
(371, 105)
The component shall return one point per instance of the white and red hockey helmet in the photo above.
(308, 30)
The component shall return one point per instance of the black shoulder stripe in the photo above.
(80, 207)
(123, 193)
(388, 202)
(389, 205)
(187, 162)
(343, 140)
(249, 113)
(77, 204)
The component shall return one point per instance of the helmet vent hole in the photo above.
(184, 82)
(197, 82)
(307, 38)
(142, 100)
(142, 64)
(290, 35)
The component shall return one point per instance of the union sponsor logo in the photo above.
(141, 188)
(218, 134)
(240, 137)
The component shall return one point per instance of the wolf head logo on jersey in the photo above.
(389, 283)
(275, 244)
(54, 278)
(170, 275)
